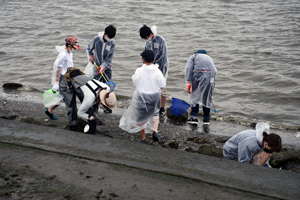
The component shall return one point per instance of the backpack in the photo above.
(72, 72)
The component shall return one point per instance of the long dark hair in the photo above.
(273, 140)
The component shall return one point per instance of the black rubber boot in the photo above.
(98, 121)
(91, 129)
(155, 137)
(73, 128)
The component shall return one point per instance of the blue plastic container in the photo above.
(179, 107)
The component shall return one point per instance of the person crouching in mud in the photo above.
(91, 93)
(143, 112)
(253, 146)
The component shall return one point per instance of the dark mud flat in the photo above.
(28, 173)
(36, 152)
(173, 133)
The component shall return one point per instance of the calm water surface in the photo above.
(255, 46)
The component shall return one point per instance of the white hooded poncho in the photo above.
(145, 103)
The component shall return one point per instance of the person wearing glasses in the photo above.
(253, 146)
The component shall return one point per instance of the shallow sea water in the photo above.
(255, 46)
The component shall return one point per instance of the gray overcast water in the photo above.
(255, 46)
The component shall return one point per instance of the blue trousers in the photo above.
(195, 111)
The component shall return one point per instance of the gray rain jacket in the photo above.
(200, 71)
(102, 52)
(244, 145)
(159, 47)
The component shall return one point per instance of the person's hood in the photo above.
(260, 128)
(154, 30)
(150, 67)
(100, 34)
(60, 48)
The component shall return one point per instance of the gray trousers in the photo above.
(69, 93)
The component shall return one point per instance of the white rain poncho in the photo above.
(89, 69)
(143, 110)
(245, 145)
(159, 47)
(200, 71)
(63, 60)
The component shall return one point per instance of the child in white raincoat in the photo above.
(143, 112)
(63, 61)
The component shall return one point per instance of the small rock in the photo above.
(190, 149)
(211, 150)
(113, 194)
(135, 186)
(12, 86)
(12, 117)
(287, 159)
(181, 118)
(51, 177)
(98, 194)
(222, 139)
(171, 144)
(199, 140)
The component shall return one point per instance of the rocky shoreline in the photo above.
(173, 132)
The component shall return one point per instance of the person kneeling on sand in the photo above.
(143, 112)
(253, 146)
(91, 93)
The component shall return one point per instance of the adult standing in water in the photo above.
(63, 61)
(101, 51)
(158, 45)
(200, 74)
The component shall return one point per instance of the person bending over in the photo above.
(253, 146)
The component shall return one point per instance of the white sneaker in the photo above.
(192, 121)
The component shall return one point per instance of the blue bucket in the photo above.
(179, 107)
